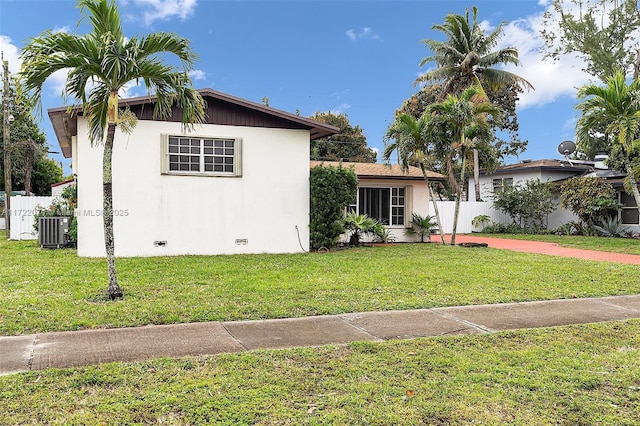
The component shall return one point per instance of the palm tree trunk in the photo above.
(435, 203)
(458, 197)
(476, 173)
(27, 168)
(113, 291)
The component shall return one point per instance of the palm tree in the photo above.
(616, 108)
(467, 58)
(461, 121)
(411, 141)
(100, 64)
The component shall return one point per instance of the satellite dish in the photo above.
(567, 148)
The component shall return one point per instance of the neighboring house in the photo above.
(389, 194)
(556, 171)
(57, 188)
(237, 184)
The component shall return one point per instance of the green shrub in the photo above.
(332, 189)
(592, 199)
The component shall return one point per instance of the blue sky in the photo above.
(355, 57)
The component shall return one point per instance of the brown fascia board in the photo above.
(64, 119)
(525, 167)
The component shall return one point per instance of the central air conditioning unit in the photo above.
(53, 232)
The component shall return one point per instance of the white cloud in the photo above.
(162, 10)
(363, 33)
(197, 74)
(340, 109)
(551, 80)
(10, 53)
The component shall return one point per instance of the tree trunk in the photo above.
(113, 291)
(27, 170)
(435, 204)
(451, 176)
(476, 173)
(458, 198)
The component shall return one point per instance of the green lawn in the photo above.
(576, 375)
(47, 290)
(615, 245)
(586, 374)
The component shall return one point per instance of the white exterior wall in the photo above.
(196, 214)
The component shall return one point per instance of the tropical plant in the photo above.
(466, 58)
(423, 226)
(101, 63)
(616, 108)
(332, 190)
(528, 204)
(592, 199)
(611, 227)
(414, 147)
(459, 122)
(480, 221)
(385, 235)
(359, 225)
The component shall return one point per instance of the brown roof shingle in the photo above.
(381, 171)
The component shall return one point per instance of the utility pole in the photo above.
(7, 146)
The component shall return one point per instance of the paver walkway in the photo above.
(551, 249)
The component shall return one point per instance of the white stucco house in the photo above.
(389, 194)
(237, 184)
(558, 171)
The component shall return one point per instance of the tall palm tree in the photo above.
(100, 64)
(461, 121)
(467, 58)
(411, 141)
(616, 108)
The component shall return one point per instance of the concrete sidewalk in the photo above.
(88, 347)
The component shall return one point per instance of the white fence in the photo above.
(468, 210)
(22, 213)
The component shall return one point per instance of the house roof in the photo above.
(382, 171)
(220, 108)
(550, 165)
(64, 182)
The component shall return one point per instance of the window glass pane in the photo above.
(629, 216)
(199, 154)
(627, 200)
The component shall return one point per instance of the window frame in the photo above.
(498, 184)
(237, 156)
(628, 208)
(405, 197)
